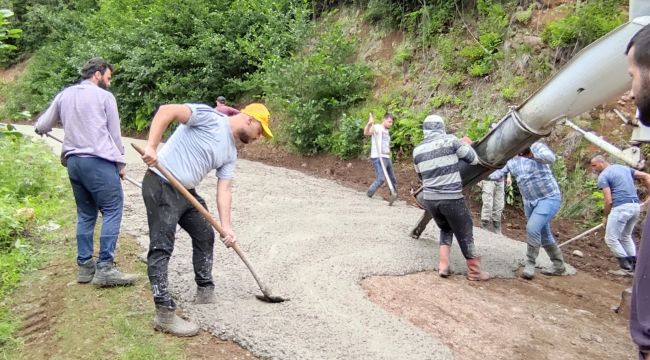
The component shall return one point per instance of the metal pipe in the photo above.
(631, 156)
(595, 75)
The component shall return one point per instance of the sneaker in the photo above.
(108, 275)
(369, 193)
(620, 272)
(86, 271)
(391, 199)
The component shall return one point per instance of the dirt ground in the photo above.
(548, 318)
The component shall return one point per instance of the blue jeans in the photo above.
(539, 214)
(379, 175)
(618, 232)
(96, 186)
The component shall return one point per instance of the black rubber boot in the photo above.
(486, 224)
(421, 225)
(497, 227)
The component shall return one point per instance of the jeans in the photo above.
(379, 175)
(453, 218)
(166, 207)
(96, 186)
(618, 233)
(539, 214)
(493, 196)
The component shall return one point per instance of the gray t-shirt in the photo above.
(620, 180)
(202, 144)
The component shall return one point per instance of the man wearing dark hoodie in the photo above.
(436, 163)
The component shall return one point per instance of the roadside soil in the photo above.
(548, 318)
(54, 311)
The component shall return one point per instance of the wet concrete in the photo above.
(312, 240)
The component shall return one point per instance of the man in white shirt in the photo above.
(380, 148)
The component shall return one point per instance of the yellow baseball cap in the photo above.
(260, 113)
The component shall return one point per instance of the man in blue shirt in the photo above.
(621, 210)
(542, 199)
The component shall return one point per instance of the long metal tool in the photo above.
(125, 177)
(268, 297)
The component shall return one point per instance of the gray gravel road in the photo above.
(312, 241)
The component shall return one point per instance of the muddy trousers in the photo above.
(166, 207)
(453, 218)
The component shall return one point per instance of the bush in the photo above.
(585, 24)
(314, 87)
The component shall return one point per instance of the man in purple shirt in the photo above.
(638, 59)
(225, 109)
(94, 155)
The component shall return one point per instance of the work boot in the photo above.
(205, 295)
(421, 225)
(625, 263)
(443, 267)
(555, 254)
(108, 275)
(167, 321)
(391, 198)
(86, 271)
(632, 260)
(627, 268)
(486, 224)
(529, 266)
(497, 227)
(474, 272)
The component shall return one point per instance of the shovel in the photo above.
(268, 297)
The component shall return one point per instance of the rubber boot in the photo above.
(443, 267)
(474, 272)
(108, 275)
(167, 321)
(486, 224)
(421, 225)
(205, 295)
(497, 227)
(529, 266)
(86, 272)
(555, 254)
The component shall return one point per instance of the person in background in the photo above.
(621, 209)
(225, 109)
(94, 156)
(380, 147)
(542, 199)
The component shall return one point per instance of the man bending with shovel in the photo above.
(204, 141)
